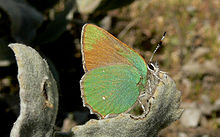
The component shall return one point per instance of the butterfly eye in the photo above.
(150, 66)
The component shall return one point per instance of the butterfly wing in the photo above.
(114, 71)
(100, 48)
(110, 89)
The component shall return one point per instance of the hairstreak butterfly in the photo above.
(116, 76)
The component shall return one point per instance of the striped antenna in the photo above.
(158, 46)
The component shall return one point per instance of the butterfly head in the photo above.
(153, 67)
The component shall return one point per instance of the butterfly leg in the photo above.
(149, 90)
(163, 72)
(157, 76)
(143, 101)
(145, 112)
(142, 106)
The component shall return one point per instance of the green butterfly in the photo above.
(115, 75)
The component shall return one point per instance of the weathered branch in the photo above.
(38, 94)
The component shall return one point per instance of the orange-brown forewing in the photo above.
(100, 48)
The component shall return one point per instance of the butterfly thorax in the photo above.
(148, 87)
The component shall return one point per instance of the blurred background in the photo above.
(190, 53)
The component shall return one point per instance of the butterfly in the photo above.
(116, 76)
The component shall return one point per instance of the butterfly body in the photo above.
(115, 74)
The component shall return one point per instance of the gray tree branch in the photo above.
(38, 94)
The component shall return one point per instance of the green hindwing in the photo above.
(111, 89)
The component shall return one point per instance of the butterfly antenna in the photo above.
(158, 46)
